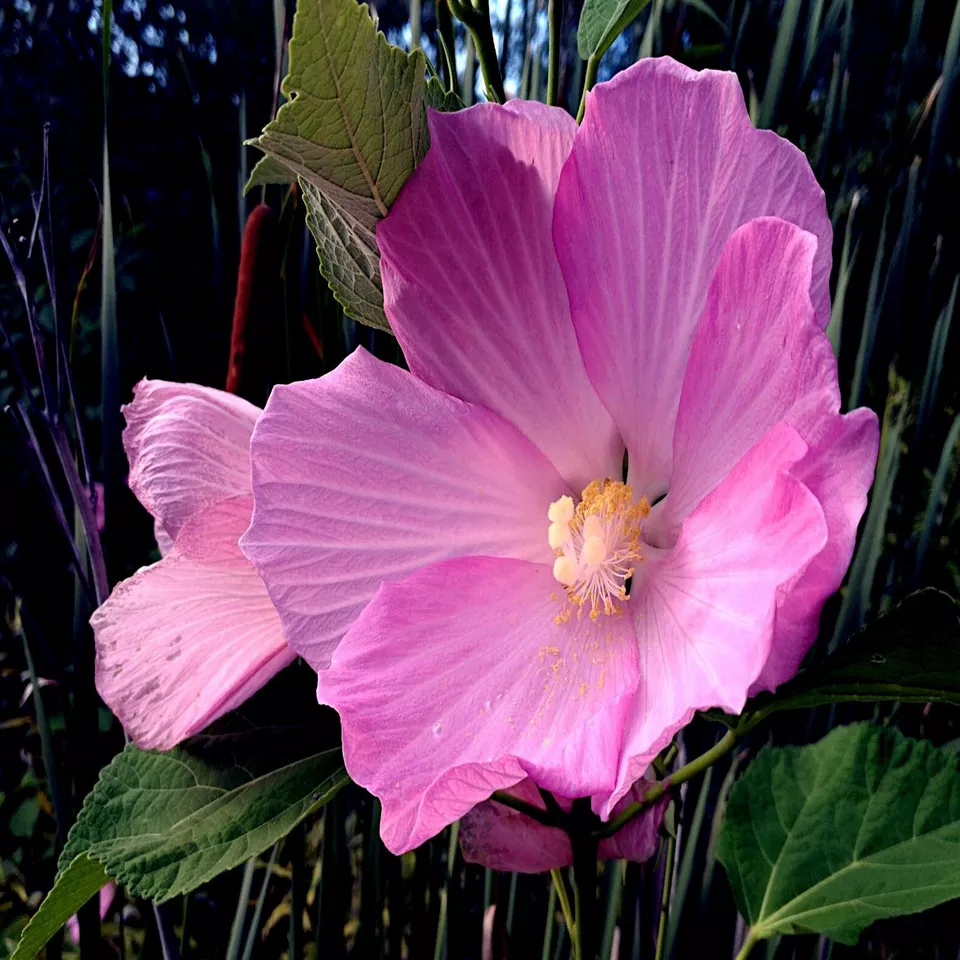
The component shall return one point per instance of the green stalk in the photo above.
(748, 945)
(240, 914)
(439, 947)
(685, 773)
(593, 64)
(548, 928)
(665, 895)
(476, 18)
(585, 844)
(560, 886)
(555, 15)
(614, 898)
(258, 910)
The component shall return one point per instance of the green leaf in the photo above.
(349, 258)
(354, 124)
(82, 879)
(911, 653)
(164, 823)
(353, 130)
(828, 838)
(601, 22)
(269, 171)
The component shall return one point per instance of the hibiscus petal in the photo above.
(366, 475)
(664, 168)
(705, 609)
(758, 358)
(473, 289)
(839, 472)
(501, 838)
(190, 638)
(458, 681)
(188, 447)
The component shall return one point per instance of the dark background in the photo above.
(188, 82)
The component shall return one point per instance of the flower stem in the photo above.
(515, 803)
(555, 15)
(585, 844)
(593, 64)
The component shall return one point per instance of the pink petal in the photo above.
(458, 682)
(473, 289)
(188, 447)
(188, 639)
(838, 472)
(758, 358)
(366, 475)
(664, 168)
(705, 609)
(502, 838)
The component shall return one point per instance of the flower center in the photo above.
(597, 546)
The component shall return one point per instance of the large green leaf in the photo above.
(602, 21)
(353, 130)
(75, 885)
(828, 838)
(911, 653)
(164, 823)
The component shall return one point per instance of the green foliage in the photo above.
(353, 130)
(163, 823)
(602, 21)
(911, 653)
(827, 838)
(75, 885)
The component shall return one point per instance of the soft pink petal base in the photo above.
(458, 682)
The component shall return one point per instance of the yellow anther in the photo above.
(561, 511)
(597, 546)
(565, 571)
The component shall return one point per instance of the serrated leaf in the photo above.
(268, 171)
(349, 258)
(911, 653)
(602, 21)
(830, 837)
(82, 879)
(164, 823)
(353, 130)
(354, 124)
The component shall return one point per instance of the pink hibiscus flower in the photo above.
(187, 639)
(487, 593)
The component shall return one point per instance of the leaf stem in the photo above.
(748, 944)
(688, 772)
(593, 64)
(555, 16)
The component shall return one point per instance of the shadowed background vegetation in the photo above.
(867, 88)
